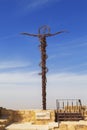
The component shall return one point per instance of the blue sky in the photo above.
(20, 85)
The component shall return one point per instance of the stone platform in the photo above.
(39, 120)
(29, 126)
(65, 125)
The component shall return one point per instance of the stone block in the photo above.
(81, 127)
(71, 127)
(63, 127)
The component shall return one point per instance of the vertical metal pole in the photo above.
(72, 105)
(77, 105)
(67, 105)
(57, 104)
(63, 105)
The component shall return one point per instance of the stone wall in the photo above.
(34, 116)
(80, 125)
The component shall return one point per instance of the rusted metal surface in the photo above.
(44, 70)
(69, 110)
(43, 32)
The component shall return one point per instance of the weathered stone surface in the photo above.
(73, 125)
(35, 116)
(39, 118)
(29, 126)
(80, 127)
(42, 115)
(63, 127)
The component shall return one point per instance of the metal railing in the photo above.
(68, 108)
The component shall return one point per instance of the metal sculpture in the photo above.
(43, 32)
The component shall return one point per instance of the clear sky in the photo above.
(20, 84)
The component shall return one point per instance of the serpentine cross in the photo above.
(43, 32)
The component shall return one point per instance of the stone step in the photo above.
(29, 126)
(26, 127)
